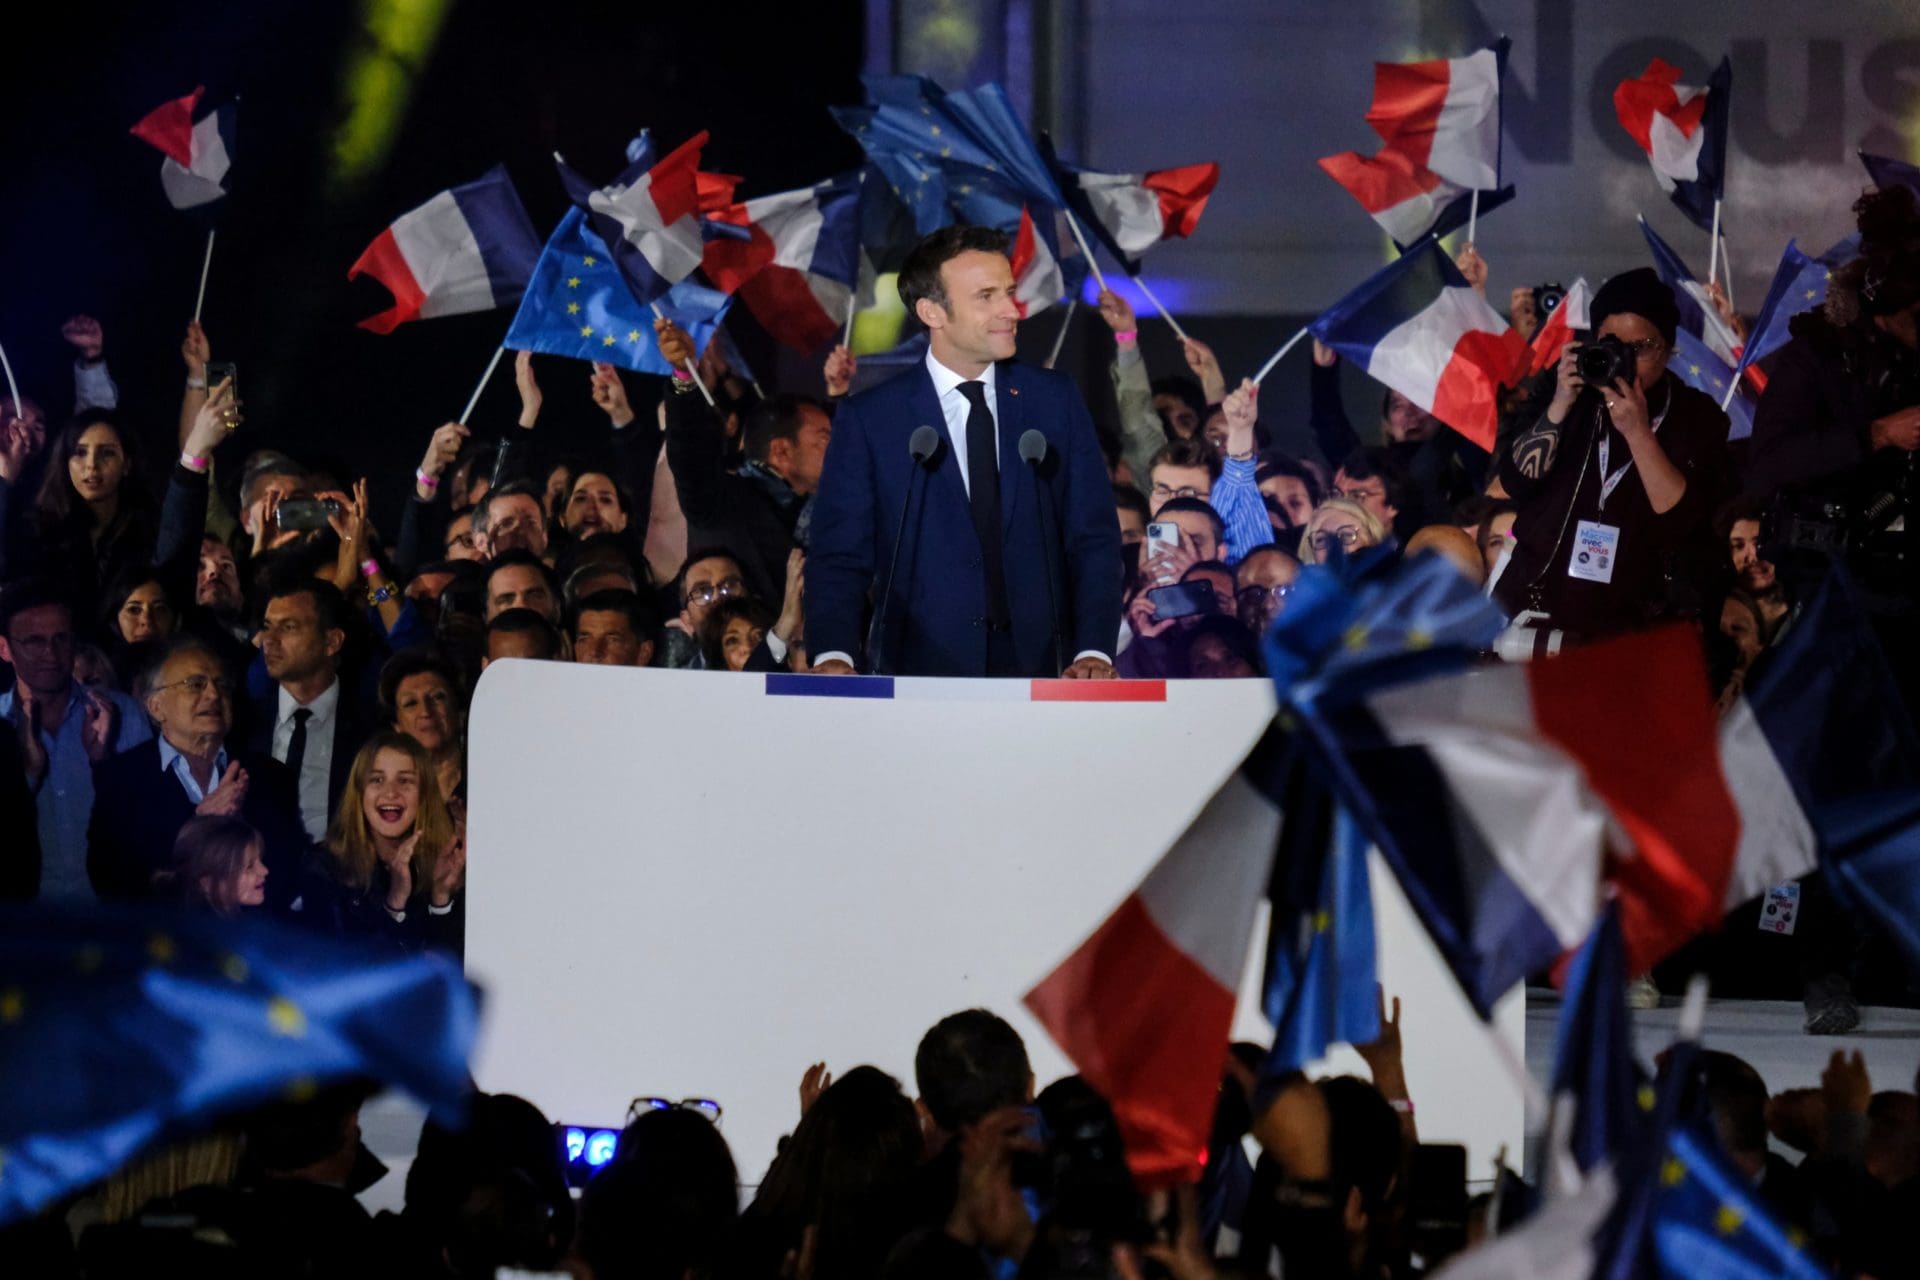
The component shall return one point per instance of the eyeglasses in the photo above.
(721, 590)
(1360, 495)
(197, 685)
(1249, 597)
(642, 1106)
(1164, 491)
(1643, 347)
(1348, 537)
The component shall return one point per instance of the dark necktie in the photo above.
(297, 745)
(983, 495)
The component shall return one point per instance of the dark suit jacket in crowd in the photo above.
(724, 509)
(937, 622)
(138, 810)
(352, 726)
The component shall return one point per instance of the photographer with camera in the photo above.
(1615, 481)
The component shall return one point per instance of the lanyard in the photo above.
(1608, 483)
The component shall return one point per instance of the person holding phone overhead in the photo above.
(967, 498)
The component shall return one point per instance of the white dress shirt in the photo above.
(956, 407)
(316, 764)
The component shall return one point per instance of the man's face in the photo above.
(1133, 525)
(976, 326)
(594, 506)
(709, 582)
(1171, 482)
(520, 586)
(1743, 540)
(291, 641)
(39, 645)
(192, 701)
(1255, 600)
(217, 584)
(1290, 494)
(1206, 543)
(460, 542)
(1649, 348)
(515, 522)
(1177, 414)
(1370, 493)
(800, 459)
(605, 638)
(1406, 422)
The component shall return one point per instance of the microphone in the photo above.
(922, 446)
(1033, 451)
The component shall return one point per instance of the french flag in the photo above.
(649, 216)
(1144, 1006)
(1038, 280)
(1557, 330)
(1697, 313)
(1683, 130)
(798, 266)
(199, 152)
(1419, 327)
(471, 248)
(1440, 123)
(1132, 212)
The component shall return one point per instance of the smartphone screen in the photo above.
(1183, 600)
(219, 371)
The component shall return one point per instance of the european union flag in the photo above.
(1887, 172)
(1694, 364)
(1596, 1093)
(1320, 961)
(578, 304)
(1799, 284)
(122, 1026)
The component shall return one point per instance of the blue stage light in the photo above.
(576, 1144)
(600, 1147)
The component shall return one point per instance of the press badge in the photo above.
(1595, 548)
(1781, 909)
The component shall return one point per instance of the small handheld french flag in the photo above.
(471, 248)
(1683, 130)
(649, 216)
(199, 152)
(796, 261)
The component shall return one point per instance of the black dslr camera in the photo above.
(1548, 297)
(1604, 361)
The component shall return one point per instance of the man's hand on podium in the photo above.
(1089, 668)
(833, 667)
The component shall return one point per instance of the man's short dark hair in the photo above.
(920, 273)
(1371, 461)
(694, 557)
(1274, 463)
(522, 621)
(483, 509)
(30, 593)
(969, 1064)
(1196, 506)
(778, 417)
(1128, 498)
(636, 608)
(1193, 451)
(328, 604)
(522, 556)
(267, 462)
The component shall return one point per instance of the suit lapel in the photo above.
(1011, 422)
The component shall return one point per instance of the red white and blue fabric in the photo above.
(1144, 1006)
(470, 248)
(1132, 212)
(797, 269)
(1439, 122)
(1683, 130)
(199, 152)
(649, 216)
(1698, 315)
(1417, 326)
(1038, 280)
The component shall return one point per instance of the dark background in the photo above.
(86, 228)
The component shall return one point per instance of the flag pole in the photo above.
(206, 265)
(1713, 248)
(486, 377)
(1060, 339)
(1164, 313)
(1728, 398)
(13, 388)
(1267, 368)
(1499, 1191)
(1473, 215)
(687, 365)
(1726, 263)
(853, 306)
(1080, 238)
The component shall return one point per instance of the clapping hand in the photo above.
(227, 795)
(96, 725)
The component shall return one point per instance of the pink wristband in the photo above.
(370, 568)
(195, 464)
(682, 375)
(426, 481)
(1127, 336)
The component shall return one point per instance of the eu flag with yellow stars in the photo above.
(124, 1026)
(1697, 366)
(578, 304)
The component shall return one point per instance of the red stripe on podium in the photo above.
(1099, 691)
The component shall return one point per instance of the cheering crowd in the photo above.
(234, 689)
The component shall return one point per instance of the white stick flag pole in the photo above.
(1164, 313)
(1060, 339)
(1713, 251)
(206, 265)
(1726, 271)
(688, 365)
(1473, 215)
(853, 306)
(474, 399)
(1267, 368)
(1080, 238)
(13, 388)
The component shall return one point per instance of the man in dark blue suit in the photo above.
(1005, 568)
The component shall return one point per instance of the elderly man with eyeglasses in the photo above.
(63, 730)
(143, 797)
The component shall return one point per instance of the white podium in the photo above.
(692, 884)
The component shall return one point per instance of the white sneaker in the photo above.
(1642, 994)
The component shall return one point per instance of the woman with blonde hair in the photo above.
(394, 863)
(1343, 523)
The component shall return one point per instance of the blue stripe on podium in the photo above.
(789, 685)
